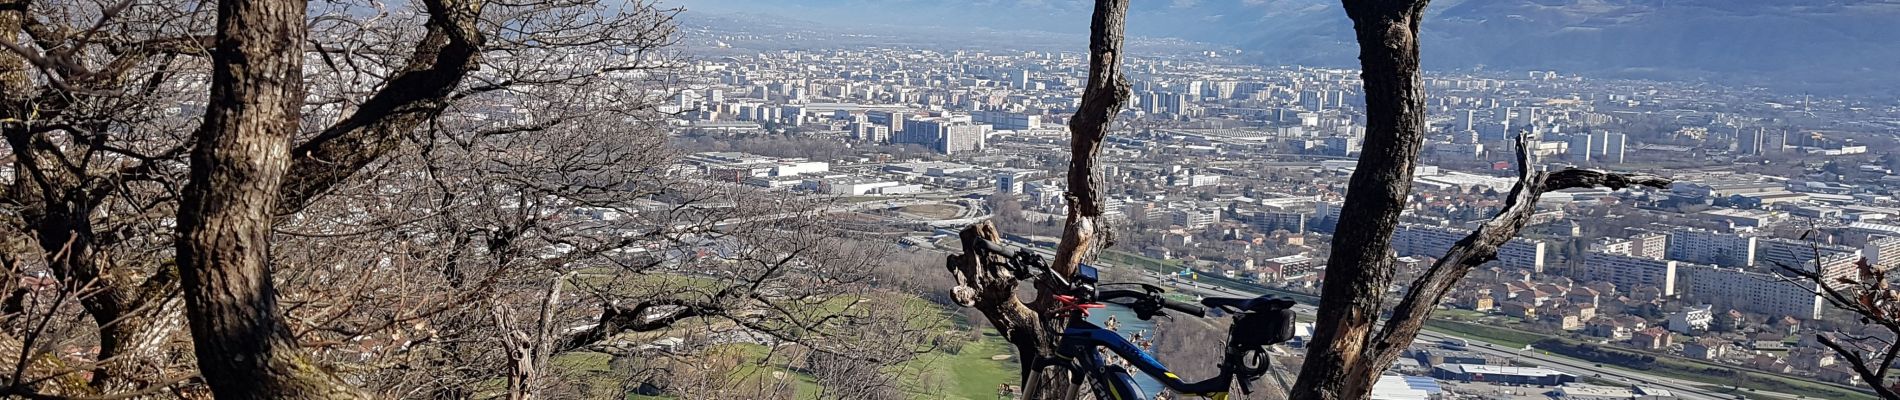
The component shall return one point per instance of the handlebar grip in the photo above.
(997, 248)
(1190, 309)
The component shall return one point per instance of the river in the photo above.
(1129, 325)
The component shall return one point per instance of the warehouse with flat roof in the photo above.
(1502, 374)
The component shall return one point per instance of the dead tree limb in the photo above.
(1354, 380)
(1105, 95)
(1480, 247)
(1870, 297)
(984, 284)
(615, 319)
(1358, 271)
(1032, 328)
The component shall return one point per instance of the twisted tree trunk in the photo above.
(245, 351)
(1032, 328)
(1346, 355)
(1358, 270)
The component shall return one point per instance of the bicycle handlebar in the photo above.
(997, 248)
(1152, 298)
(1190, 309)
(1151, 302)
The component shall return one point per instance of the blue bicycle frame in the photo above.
(1082, 338)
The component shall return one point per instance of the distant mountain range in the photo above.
(1812, 45)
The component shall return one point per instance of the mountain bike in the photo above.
(1258, 323)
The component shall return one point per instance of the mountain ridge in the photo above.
(1809, 45)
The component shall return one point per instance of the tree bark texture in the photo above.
(244, 349)
(981, 282)
(416, 94)
(1347, 355)
(1358, 269)
(1103, 98)
(1479, 247)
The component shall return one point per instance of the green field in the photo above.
(1509, 337)
(968, 373)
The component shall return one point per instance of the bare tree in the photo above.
(477, 179)
(1032, 328)
(1868, 294)
(245, 351)
(1347, 355)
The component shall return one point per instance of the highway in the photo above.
(1682, 389)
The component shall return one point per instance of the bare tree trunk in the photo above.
(529, 349)
(1347, 356)
(982, 284)
(1358, 270)
(1032, 328)
(244, 349)
(1103, 98)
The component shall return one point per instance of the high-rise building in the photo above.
(892, 120)
(1751, 291)
(1608, 147)
(870, 133)
(1313, 100)
(1703, 246)
(1341, 145)
(1774, 142)
(1224, 89)
(1467, 120)
(1749, 141)
(1618, 246)
(1521, 117)
(958, 138)
(1882, 252)
(1150, 102)
(1194, 218)
(1175, 103)
(1009, 182)
(1007, 120)
(1580, 147)
(1277, 220)
(1630, 272)
(1433, 241)
(1650, 245)
(1835, 261)
(947, 135)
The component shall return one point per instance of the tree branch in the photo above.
(417, 93)
(1103, 98)
(1859, 364)
(615, 319)
(1482, 246)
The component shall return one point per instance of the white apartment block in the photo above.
(1630, 272)
(1882, 252)
(1752, 291)
(1710, 247)
(1432, 241)
(1649, 245)
(1836, 260)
